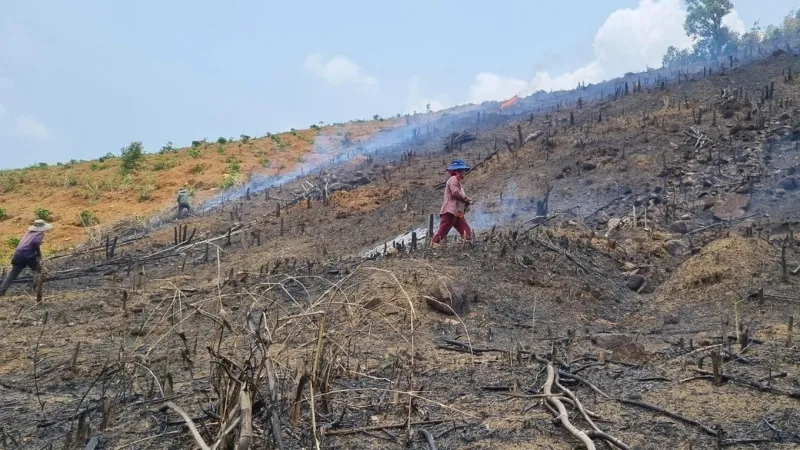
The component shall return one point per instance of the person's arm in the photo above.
(456, 191)
(36, 245)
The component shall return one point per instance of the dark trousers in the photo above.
(16, 270)
(449, 221)
(181, 207)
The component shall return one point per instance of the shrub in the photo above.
(314, 127)
(70, 179)
(196, 144)
(10, 181)
(146, 192)
(163, 164)
(233, 166)
(3, 214)
(167, 148)
(198, 169)
(95, 167)
(194, 152)
(221, 150)
(265, 163)
(244, 138)
(43, 214)
(301, 160)
(105, 158)
(228, 180)
(131, 157)
(12, 241)
(88, 219)
(222, 140)
(293, 132)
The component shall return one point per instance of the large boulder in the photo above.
(640, 284)
(679, 226)
(731, 206)
(676, 247)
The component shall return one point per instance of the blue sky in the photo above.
(81, 79)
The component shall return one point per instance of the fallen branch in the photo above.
(724, 222)
(190, 424)
(467, 348)
(754, 385)
(429, 439)
(671, 414)
(345, 431)
(562, 416)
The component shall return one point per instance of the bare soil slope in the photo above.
(651, 301)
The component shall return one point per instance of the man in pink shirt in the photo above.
(455, 205)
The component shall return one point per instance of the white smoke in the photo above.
(630, 40)
(419, 102)
(338, 70)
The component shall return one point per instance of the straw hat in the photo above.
(40, 225)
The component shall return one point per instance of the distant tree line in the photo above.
(712, 39)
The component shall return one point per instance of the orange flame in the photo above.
(509, 102)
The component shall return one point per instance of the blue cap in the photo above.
(458, 164)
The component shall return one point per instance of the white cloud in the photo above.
(419, 102)
(490, 86)
(338, 71)
(733, 22)
(631, 39)
(27, 126)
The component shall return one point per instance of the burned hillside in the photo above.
(632, 283)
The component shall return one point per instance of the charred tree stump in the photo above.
(430, 230)
(716, 367)
(519, 133)
(784, 269)
(413, 241)
(277, 209)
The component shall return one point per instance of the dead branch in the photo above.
(753, 384)
(429, 439)
(190, 424)
(673, 415)
(562, 416)
(345, 431)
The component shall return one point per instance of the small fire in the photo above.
(509, 102)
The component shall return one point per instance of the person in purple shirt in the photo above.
(27, 253)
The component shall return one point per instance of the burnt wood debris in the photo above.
(632, 283)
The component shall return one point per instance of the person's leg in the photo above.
(463, 228)
(16, 269)
(445, 224)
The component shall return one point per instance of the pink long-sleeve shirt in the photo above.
(453, 192)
